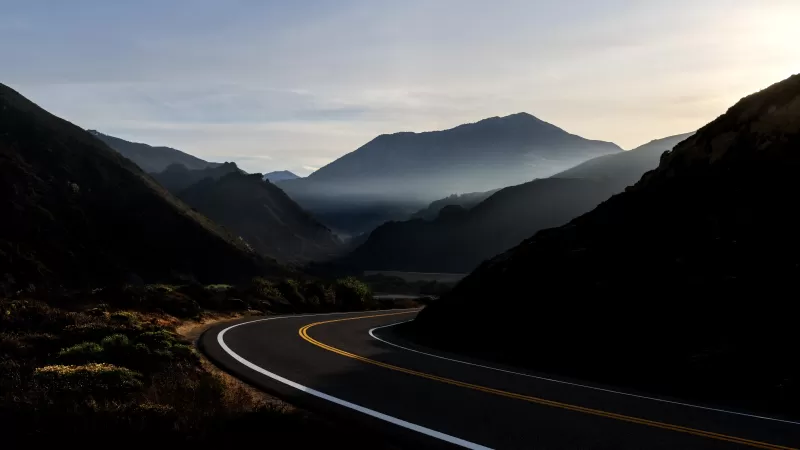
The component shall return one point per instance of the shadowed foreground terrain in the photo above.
(108, 365)
(681, 284)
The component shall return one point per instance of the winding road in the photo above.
(353, 366)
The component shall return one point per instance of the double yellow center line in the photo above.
(722, 437)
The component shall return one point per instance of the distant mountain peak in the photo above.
(515, 141)
(280, 175)
(520, 116)
(517, 119)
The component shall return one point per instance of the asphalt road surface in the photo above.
(354, 367)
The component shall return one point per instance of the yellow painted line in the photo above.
(722, 437)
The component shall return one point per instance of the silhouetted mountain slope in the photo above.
(412, 169)
(177, 177)
(457, 240)
(460, 240)
(680, 282)
(280, 175)
(263, 215)
(152, 159)
(625, 168)
(77, 213)
(465, 201)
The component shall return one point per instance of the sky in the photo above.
(276, 85)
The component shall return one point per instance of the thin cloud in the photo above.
(307, 85)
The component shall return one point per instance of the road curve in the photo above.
(351, 365)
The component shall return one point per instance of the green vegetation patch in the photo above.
(82, 350)
(99, 380)
(352, 293)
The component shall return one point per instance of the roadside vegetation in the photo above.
(109, 366)
(380, 283)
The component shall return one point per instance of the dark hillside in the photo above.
(457, 240)
(681, 284)
(264, 216)
(76, 213)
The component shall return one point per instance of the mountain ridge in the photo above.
(81, 213)
(263, 215)
(177, 177)
(152, 159)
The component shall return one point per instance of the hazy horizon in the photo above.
(276, 86)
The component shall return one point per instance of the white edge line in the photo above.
(338, 401)
(372, 333)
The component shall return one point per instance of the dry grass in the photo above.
(237, 392)
(96, 375)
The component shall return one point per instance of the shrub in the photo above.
(352, 293)
(115, 340)
(219, 287)
(160, 338)
(31, 315)
(125, 317)
(148, 351)
(26, 344)
(318, 293)
(100, 381)
(154, 297)
(84, 351)
(165, 345)
(290, 290)
(141, 349)
(265, 289)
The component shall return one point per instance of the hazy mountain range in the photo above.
(465, 201)
(625, 168)
(679, 283)
(79, 214)
(152, 159)
(462, 235)
(394, 175)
